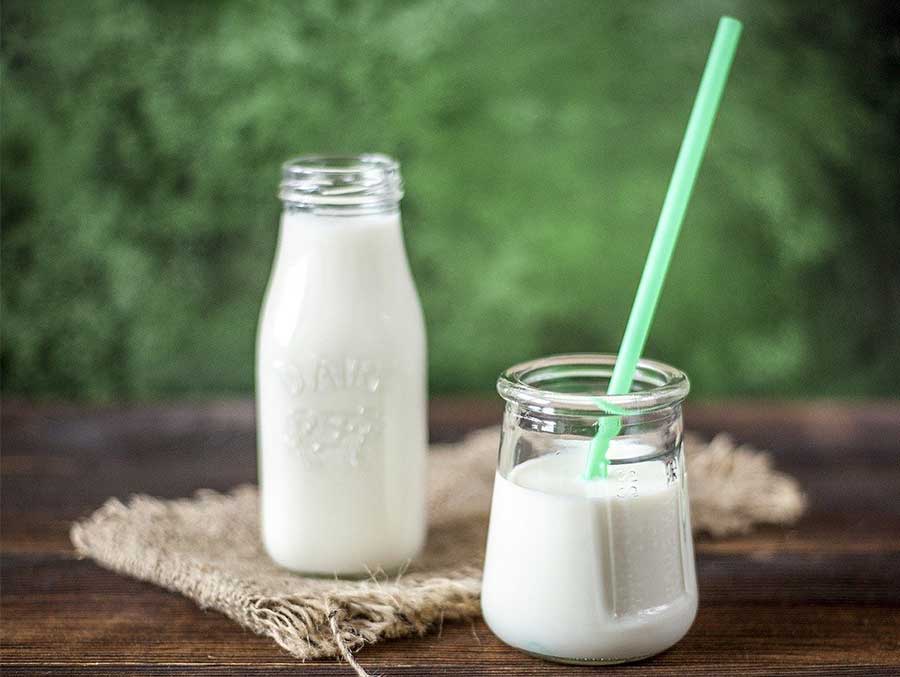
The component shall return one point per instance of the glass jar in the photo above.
(341, 375)
(590, 571)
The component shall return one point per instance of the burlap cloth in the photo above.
(207, 548)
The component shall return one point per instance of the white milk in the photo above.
(598, 570)
(341, 397)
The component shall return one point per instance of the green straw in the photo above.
(692, 148)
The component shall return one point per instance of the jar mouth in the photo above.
(369, 182)
(577, 382)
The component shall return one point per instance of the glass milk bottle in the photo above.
(341, 375)
(590, 571)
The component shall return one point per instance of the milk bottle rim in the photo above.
(341, 185)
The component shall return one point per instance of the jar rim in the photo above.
(530, 383)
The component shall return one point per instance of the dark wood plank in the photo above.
(821, 597)
(786, 609)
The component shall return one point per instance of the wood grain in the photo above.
(820, 598)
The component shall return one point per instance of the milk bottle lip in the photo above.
(342, 184)
(548, 382)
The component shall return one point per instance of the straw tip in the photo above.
(731, 23)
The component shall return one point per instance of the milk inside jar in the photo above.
(594, 571)
(341, 375)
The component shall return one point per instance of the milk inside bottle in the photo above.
(596, 571)
(341, 375)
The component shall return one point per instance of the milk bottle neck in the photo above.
(340, 228)
(359, 256)
(302, 232)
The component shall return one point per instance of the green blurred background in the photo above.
(141, 144)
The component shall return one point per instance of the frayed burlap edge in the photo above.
(733, 488)
(337, 617)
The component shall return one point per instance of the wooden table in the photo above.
(820, 598)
